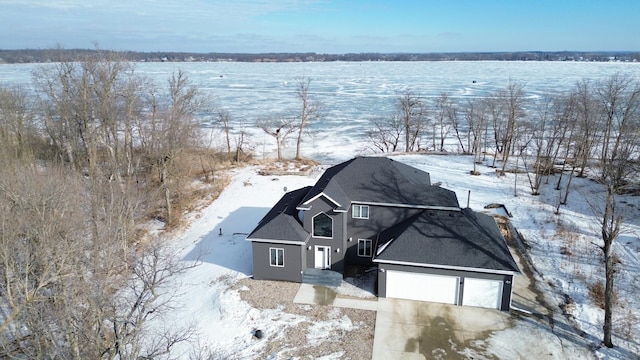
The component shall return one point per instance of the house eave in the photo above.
(273, 241)
(447, 267)
(308, 202)
(411, 206)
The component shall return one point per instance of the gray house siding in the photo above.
(399, 226)
(293, 262)
(507, 280)
(337, 241)
(380, 219)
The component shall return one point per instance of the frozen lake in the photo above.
(352, 93)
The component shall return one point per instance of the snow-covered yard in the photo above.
(563, 249)
(210, 294)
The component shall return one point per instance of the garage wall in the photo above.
(506, 280)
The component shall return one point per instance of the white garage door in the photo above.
(482, 293)
(424, 287)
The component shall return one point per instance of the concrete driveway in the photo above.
(408, 329)
(534, 329)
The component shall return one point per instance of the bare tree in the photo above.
(58, 91)
(588, 124)
(547, 131)
(131, 101)
(224, 119)
(239, 142)
(412, 114)
(86, 105)
(65, 295)
(513, 104)
(446, 116)
(146, 297)
(619, 100)
(72, 288)
(309, 110)
(17, 124)
(497, 121)
(385, 134)
(457, 122)
(476, 118)
(567, 114)
(280, 129)
(41, 239)
(171, 129)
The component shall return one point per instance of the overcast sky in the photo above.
(322, 26)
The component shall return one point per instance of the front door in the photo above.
(323, 257)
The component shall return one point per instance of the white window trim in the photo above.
(364, 248)
(278, 250)
(313, 226)
(353, 208)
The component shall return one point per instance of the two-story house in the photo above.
(375, 211)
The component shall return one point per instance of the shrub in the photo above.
(596, 294)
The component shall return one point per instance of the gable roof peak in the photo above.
(381, 180)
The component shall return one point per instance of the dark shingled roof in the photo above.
(380, 180)
(281, 222)
(440, 238)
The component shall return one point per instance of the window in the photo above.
(360, 211)
(364, 247)
(323, 226)
(276, 257)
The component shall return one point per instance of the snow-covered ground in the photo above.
(223, 322)
(563, 248)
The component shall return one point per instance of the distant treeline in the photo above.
(53, 55)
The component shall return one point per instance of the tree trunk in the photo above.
(226, 133)
(566, 193)
(279, 144)
(164, 180)
(608, 298)
(298, 143)
(610, 230)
